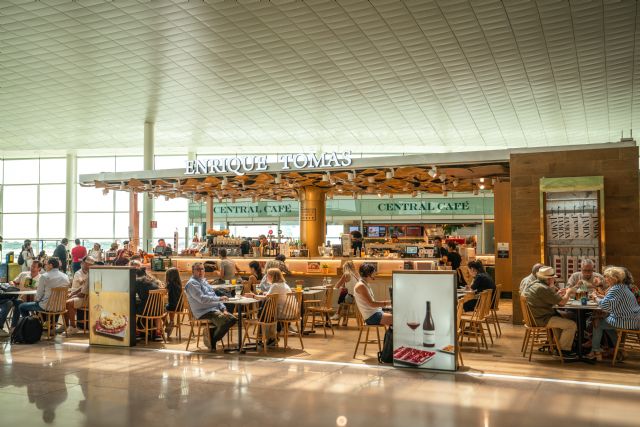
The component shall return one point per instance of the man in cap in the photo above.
(530, 279)
(79, 293)
(541, 298)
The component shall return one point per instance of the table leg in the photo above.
(240, 347)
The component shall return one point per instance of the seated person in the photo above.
(481, 282)
(205, 304)
(530, 279)
(282, 266)
(370, 309)
(254, 278)
(228, 268)
(124, 255)
(541, 299)
(27, 280)
(587, 276)
(277, 287)
(78, 294)
(264, 284)
(620, 304)
(53, 278)
(144, 284)
(162, 248)
(174, 290)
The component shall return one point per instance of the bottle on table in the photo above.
(428, 329)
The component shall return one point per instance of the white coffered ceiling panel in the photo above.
(380, 76)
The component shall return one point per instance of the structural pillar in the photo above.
(313, 218)
(209, 205)
(147, 204)
(71, 194)
(134, 222)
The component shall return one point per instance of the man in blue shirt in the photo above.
(205, 304)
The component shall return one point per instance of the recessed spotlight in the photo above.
(481, 179)
(481, 186)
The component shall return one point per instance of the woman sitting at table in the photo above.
(370, 309)
(277, 286)
(481, 282)
(264, 283)
(174, 290)
(346, 284)
(254, 278)
(620, 303)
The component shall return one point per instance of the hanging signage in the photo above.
(246, 164)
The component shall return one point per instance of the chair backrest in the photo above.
(359, 318)
(292, 306)
(180, 303)
(327, 299)
(487, 303)
(480, 310)
(155, 305)
(526, 312)
(57, 300)
(495, 301)
(459, 312)
(268, 314)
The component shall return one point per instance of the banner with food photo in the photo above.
(112, 306)
(424, 319)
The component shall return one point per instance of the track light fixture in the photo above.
(121, 186)
(481, 179)
(390, 174)
(481, 186)
(371, 179)
(433, 172)
(278, 179)
(351, 176)
(326, 176)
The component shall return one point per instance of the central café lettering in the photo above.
(252, 209)
(424, 206)
(246, 164)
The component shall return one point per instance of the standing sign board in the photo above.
(112, 306)
(424, 320)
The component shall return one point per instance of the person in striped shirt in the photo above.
(622, 308)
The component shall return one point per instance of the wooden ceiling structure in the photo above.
(353, 182)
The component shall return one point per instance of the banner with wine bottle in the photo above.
(424, 320)
(112, 309)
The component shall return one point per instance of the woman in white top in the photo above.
(370, 309)
(27, 255)
(346, 284)
(277, 286)
(97, 254)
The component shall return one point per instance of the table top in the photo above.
(241, 301)
(221, 286)
(33, 292)
(576, 305)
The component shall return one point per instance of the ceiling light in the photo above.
(444, 187)
(380, 195)
(443, 177)
(254, 199)
(444, 193)
(351, 176)
(481, 179)
(325, 177)
(278, 178)
(389, 174)
(340, 190)
(329, 195)
(414, 193)
(433, 172)
(371, 179)
(166, 198)
(482, 186)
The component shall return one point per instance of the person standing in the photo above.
(27, 255)
(61, 254)
(97, 254)
(453, 256)
(438, 250)
(77, 254)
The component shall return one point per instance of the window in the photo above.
(21, 171)
(53, 198)
(19, 226)
(51, 226)
(170, 162)
(94, 225)
(20, 198)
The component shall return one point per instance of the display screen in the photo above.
(414, 231)
(373, 231)
(353, 228)
(382, 230)
(411, 250)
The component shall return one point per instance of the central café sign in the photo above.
(247, 164)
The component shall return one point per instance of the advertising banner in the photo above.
(424, 320)
(112, 309)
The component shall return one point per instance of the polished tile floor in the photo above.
(69, 384)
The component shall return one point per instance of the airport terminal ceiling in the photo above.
(284, 77)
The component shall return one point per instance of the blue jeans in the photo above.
(27, 307)
(603, 326)
(5, 306)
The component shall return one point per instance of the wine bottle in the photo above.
(428, 328)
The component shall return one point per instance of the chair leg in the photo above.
(357, 343)
(525, 341)
(366, 341)
(615, 352)
(531, 349)
(486, 321)
(285, 327)
(300, 336)
(379, 342)
(189, 339)
(146, 331)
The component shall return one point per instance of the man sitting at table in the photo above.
(53, 278)
(78, 294)
(264, 283)
(541, 299)
(586, 276)
(530, 279)
(205, 304)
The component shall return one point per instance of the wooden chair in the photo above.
(472, 326)
(629, 338)
(178, 314)
(85, 317)
(195, 325)
(459, 313)
(56, 306)
(264, 322)
(154, 310)
(362, 327)
(534, 334)
(291, 316)
(493, 312)
(346, 311)
(325, 310)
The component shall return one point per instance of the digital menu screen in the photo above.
(373, 231)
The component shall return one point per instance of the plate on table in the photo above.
(412, 356)
(112, 324)
(449, 349)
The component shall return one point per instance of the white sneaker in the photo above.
(71, 330)
(4, 333)
(335, 317)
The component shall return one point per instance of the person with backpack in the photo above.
(53, 278)
(26, 256)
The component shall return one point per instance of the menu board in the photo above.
(424, 320)
(112, 309)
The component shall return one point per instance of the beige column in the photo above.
(209, 205)
(134, 222)
(312, 218)
(147, 203)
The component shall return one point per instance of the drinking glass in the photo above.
(233, 281)
(413, 322)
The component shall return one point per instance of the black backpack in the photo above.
(20, 259)
(7, 288)
(386, 355)
(27, 331)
